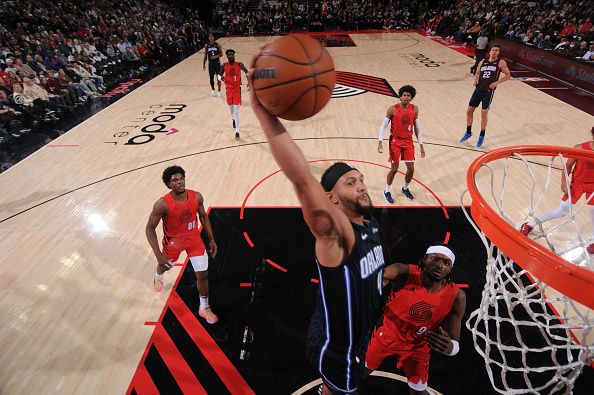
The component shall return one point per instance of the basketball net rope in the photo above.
(533, 339)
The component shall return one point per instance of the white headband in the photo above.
(442, 250)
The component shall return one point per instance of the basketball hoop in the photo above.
(535, 324)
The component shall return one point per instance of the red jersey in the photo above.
(232, 75)
(402, 122)
(583, 172)
(412, 310)
(181, 220)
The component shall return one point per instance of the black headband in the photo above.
(333, 174)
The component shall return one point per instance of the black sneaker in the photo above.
(236, 135)
(234, 124)
(388, 197)
(407, 193)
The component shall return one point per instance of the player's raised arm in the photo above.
(332, 230)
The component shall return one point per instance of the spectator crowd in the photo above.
(57, 58)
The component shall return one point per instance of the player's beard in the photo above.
(365, 211)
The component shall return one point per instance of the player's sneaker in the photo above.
(219, 94)
(525, 229)
(407, 193)
(158, 282)
(208, 315)
(465, 137)
(388, 197)
(212, 93)
(236, 135)
(480, 141)
(590, 248)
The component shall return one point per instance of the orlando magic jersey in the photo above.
(348, 305)
(212, 49)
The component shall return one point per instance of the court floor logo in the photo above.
(353, 84)
(152, 122)
(420, 60)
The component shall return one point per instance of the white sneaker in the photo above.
(219, 94)
(212, 93)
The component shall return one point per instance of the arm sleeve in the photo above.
(382, 129)
(418, 130)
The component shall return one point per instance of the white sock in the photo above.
(204, 302)
(561, 211)
(405, 185)
(158, 276)
(236, 117)
(387, 188)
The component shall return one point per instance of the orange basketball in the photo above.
(294, 77)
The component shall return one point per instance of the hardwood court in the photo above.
(76, 285)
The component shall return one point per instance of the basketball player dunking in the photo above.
(424, 312)
(348, 254)
(178, 211)
(403, 117)
(486, 80)
(231, 74)
(582, 182)
(213, 52)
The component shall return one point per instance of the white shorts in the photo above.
(200, 263)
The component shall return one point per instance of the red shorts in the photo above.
(401, 149)
(413, 359)
(234, 96)
(578, 189)
(172, 247)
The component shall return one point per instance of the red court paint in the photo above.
(153, 323)
(179, 368)
(171, 131)
(224, 368)
(142, 383)
(247, 238)
(276, 265)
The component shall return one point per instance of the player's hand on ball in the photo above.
(164, 262)
(380, 147)
(440, 341)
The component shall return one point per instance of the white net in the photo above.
(534, 339)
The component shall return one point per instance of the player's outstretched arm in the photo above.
(393, 271)
(418, 131)
(159, 211)
(332, 230)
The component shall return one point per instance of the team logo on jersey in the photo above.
(185, 217)
(353, 84)
(420, 312)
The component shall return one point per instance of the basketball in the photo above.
(294, 77)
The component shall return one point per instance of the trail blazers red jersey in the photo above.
(412, 310)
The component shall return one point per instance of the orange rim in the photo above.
(572, 281)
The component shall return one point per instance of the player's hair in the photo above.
(170, 171)
(227, 52)
(496, 46)
(422, 262)
(407, 88)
